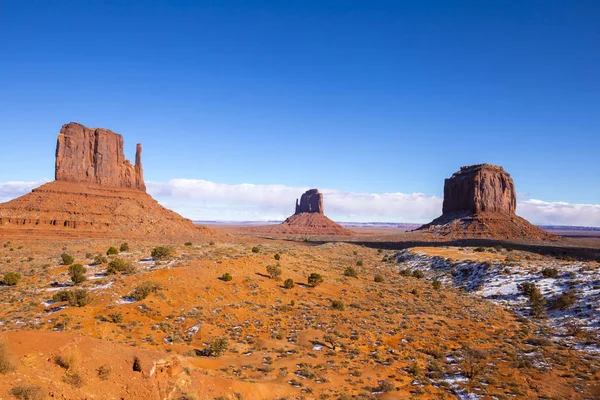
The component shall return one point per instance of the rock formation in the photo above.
(480, 201)
(308, 219)
(310, 202)
(97, 193)
(95, 155)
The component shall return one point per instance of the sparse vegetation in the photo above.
(288, 283)
(418, 274)
(351, 272)
(26, 391)
(378, 278)
(6, 362)
(255, 249)
(338, 305)
(537, 302)
(277, 256)
(11, 278)
(564, 300)
(274, 271)
(77, 273)
(226, 277)
(75, 297)
(188, 244)
(99, 260)
(162, 252)
(218, 346)
(104, 372)
(315, 279)
(67, 259)
(144, 289)
(120, 266)
(437, 284)
(112, 251)
(550, 272)
(124, 247)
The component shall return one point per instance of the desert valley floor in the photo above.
(390, 319)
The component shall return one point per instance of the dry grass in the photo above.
(6, 362)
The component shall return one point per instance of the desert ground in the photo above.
(391, 318)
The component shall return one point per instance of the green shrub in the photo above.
(67, 259)
(124, 247)
(406, 272)
(359, 263)
(564, 300)
(255, 249)
(161, 252)
(116, 317)
(119, 266)
(315, 279)
(550, 273)
(99, 260)
(11, 278)
(418, 274)
(415, 292)
(537, 302)
(77, 273)
(211, 244)
(479, 249)
(437, 285)
(226, 277)
(338, 305)
(144, 289)
(378, 278)
(188, 244)
(274, 271)
(218, 346)
(75, 297)
(351, 272)
(289, 283)
(277, 256)
(112, 251)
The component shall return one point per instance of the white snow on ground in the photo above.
(498, 283)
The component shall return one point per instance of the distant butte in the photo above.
(97, 193)
(480, 202)
(308, 219)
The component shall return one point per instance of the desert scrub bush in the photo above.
(103, 372)
(315, 279)
(26, 391)
(11, 278)
(119, 266)
(277, 256)
(75, 297)
(351, 272)
(274, 271)
(74, 379)
(474, 361)
(255, 249)
(479, 249)
(112, 251)
(536, 302)
(187, 244)
(144, 289)
(359, 263)
(415, 292)
(385, 386)
(417, 274)
(115, 317)
(161, 252)
(437, 284)
(77, 273)
(99, 260)
(67, 259)
(539, 341)
(6, 363)
(218, 346)
(226, 277)
(550, 272)
(124, 247)
(69, 360)
(338, 305)
(288, 283)
(406, 272)
(564, 300)
(378, 278)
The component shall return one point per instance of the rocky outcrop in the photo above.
(480, 202)
(95, 155)
(310, 202)
(97, 193)
(480, 188)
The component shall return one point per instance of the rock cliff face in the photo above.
(480, 202)
(480, 188)
(95, 155)
(310, 202)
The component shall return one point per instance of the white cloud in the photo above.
(10, 190)
(205, 200)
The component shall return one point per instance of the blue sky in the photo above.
(356, 96)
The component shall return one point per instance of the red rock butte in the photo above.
(97, 193)
(480, 202)
(308, 219)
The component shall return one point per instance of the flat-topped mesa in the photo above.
(310, 202)
(480, 188)
(95, 155)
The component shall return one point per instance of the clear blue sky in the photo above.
(366, 96)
